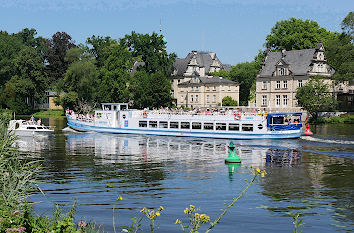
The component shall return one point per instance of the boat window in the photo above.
(234, 127)
(260, 126)
(196, 125)
(185, 125)
(124, 116)
(39, 128)
(220, 126)
(247, 127)
(163, 124)
(278, 120)
(143, 124)
(152, 124)
(31, 127)
(208, 126)
(17, 125)
(173, 125)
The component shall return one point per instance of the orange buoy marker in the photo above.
(308, 131)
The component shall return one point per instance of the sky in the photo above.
(234, 29)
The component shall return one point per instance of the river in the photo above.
(312, 176)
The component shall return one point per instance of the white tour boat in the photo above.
(117, 118)
(29, 128)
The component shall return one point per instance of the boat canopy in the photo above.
(115, 106)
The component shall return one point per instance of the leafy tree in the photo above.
(99, 48)
(222, 73)
(150, 90)
(10, 46)
(58, 45)
(28, 84)
(68, 100)
(114, 76)
(151, 49)
(315, 97)
(347, 24)
(295, 34)
(245, 74)
(229, 101)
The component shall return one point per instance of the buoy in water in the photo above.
(232, 158)
(308, 131)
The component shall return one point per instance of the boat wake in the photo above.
(321, 140)
(69, 130)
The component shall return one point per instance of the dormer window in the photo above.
(282, 71)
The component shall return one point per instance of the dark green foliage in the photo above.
(58, 45)
(245, 74)
(28, 83)
(295, 34)
(315, 97)
(68, 100)
(222, 73)
(151, 49)
(340, 56)
(150, 90)
(229, 101)
(99, 48)
(347, 24)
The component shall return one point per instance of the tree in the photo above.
(347, 24)
(315, 97)
(58, 45)
(295, 34)
(150, 90)
(229, 101)
(245, 74)
(27, 86)
(151, 49)
(99, 48)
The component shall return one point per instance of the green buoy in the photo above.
(233, 157)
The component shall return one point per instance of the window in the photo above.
(264, 100)
(214, 98)
(229, 88)
(163, 124)
(208, 98)
(192, 88)
(178, 81)
(208, 126)
(277, 100)
(234, 127)
(142, 124)
(197, 88)
(264, 87)
(220, 126)
(300, 83)
(196, 125)
(247, 127)
(192, 99)
(285, 100)
(173, 125)
(182, 98)
(185, 125)
(208, 88)
(278, 85)
(214, 88)
(152, 124)
(196, 98)
(285, 84)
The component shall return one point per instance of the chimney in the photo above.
(283, 53)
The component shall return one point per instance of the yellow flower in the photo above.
(157, 214)
(262, 175)
(161, 208)
(143, 210)
(191, 207)
(119, 198)
(196, 216)
(258, 170)
(178, 221)
(186, 211)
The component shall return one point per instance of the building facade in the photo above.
(282, 73)
(194, 86)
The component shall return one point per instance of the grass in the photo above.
(342, 119)
(50, 113)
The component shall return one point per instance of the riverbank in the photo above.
(342, 119)
(50, 113)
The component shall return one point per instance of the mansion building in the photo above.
(194, 86)
(282, 73)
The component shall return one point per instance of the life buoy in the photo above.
(145, 114)
(237, 116)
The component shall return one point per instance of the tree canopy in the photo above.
(295, 34)
(315, 97)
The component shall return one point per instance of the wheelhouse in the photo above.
(284, 121)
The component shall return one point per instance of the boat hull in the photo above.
(85, 126)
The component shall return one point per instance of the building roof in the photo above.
(204, 59)
(208, 80)
(299, 62)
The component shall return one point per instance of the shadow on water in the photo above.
(175, 172)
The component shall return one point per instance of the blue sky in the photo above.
(234, 29)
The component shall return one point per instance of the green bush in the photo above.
(50, 112)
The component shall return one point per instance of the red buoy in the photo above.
(308, 131)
